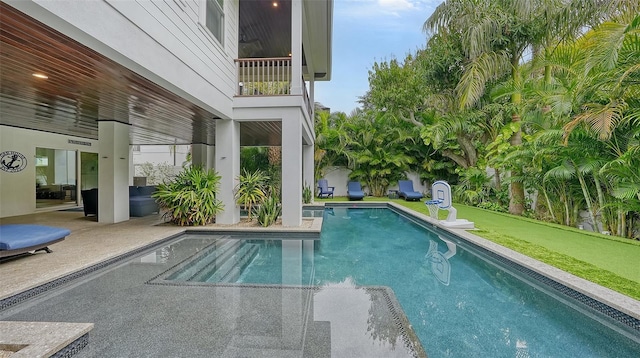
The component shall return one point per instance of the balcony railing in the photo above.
(263, 76)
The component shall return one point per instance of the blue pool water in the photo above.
(459, 303)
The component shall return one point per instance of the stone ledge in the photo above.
(39, 339)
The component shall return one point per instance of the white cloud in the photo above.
(397, 5)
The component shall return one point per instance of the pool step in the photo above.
(212, 256)
(235, 263)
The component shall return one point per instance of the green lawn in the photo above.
(608, 261)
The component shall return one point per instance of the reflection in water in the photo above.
(440, 266)
(360, 321)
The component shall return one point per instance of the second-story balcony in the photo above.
(267, 77)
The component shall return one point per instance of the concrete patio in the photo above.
(118, 314)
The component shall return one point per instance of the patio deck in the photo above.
(225, 321)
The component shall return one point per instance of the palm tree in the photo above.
(328, 146)
(612, 52)
(495, 35)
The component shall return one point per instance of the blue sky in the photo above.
(365, 31)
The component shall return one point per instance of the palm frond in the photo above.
(601, 119)
(486, 67)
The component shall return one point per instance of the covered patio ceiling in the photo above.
(84, 87)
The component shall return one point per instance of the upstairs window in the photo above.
(214, 19)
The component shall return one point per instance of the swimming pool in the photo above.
(459, 301)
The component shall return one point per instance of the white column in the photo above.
(308, 151)
(292, 165)
(296, 47)
(113, 172)
(203, 155)
(227, 164)
(308, 167)
(132, 167)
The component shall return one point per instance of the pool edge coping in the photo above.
(614, 299)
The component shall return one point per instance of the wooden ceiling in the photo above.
(84, 87)
(264, 30)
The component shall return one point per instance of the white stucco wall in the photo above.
(163, 41)
(18, 190)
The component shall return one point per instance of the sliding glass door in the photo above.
(56, 177)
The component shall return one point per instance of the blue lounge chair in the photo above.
(16, 239)
(354, 191)
(324, 190)
(405, 191)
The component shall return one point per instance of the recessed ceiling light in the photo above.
(40, 75)
(275, 4)
(289, 55)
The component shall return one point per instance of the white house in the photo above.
(84, 82)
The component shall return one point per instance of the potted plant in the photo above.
(190, 198)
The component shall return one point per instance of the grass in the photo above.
(606, 260)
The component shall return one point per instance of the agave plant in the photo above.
(251, 189)
(268, 212)
(190, 199)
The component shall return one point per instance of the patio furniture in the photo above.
(140, 201)
(324, 190)
(354, 190)
(90, 201)
(406, 192)
(16, 239)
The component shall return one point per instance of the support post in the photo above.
(227, 163)
(113, 172)
(292, 164)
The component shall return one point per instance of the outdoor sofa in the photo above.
(140, 201)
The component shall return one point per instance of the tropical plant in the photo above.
(190, 198)
(329, 131)
(376, 148)
(267, 213)
(307, 194)
(495, 35)
(251, 189)
(612, 61)
(254, 158)
(473, 186)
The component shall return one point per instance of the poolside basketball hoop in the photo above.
(441, 194)
(433, 206)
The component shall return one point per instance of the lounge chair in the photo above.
(16, 239)
(405, 191)
(324, 190)
(354, 191)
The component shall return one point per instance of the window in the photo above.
(214, 19)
